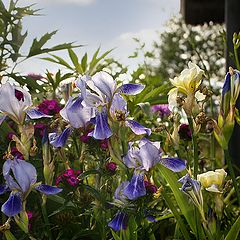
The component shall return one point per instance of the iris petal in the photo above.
(119, 222)
(131, 89)
(102, 129)
(48, 190)
(137, 128)
(174, 164)
(136, 188)
(3, 188)
(59, 140)
(13, 205)
(36, 114)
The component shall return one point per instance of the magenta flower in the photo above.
(69, 176)
(49, 107)
(111, 166)
(162, 109)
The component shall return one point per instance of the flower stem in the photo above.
(195, 148)
(232, 174)
(45, 217)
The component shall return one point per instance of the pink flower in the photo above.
(69, 176)
(151, 188)
(16, 153)
(104, 144)
(49, 107)
(111, 166)
(162, 109)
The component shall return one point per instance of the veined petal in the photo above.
(130, 89)
(102, 129)
(137, 128)
(174, 164)
(24, 173)
(105, 83)
(149, 155)
(136, 188)
(59, 140)
(75, 113)
(48, 190)
(36, 114)
(119, 222)
(13, 205)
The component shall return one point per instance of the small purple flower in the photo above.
(69, 176)
(104, 144)
(10, 135)
(16, 153)
(162, 109)
(19, 95)
(39, 129)
(151, 188)
(185, 132)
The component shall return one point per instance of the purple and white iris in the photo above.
(16, 102)
(21, 178)
(100, 99)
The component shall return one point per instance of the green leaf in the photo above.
(186, 209)
(9, 236)
(37, 45)
(115, 236)
(95, 60)
(84, 63)
(234, 231)
(58, 60)
(74, 60)
(88, 173)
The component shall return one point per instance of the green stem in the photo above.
(236, 58)
(184, 230)
(45, 217)
(195, 148)
(232, 174)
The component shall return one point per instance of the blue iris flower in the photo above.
(21, 178)
(119, 221)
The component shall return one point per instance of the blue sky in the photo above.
(109, 23)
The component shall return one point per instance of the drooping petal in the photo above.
(119, 221)
(36, 114)
(172, 98)
(105, 83)
(25, 174)
(102, 129)
(130, 89)
(48, 190)
(137, 128)
(136, 188)
(75, 113)
(13, 205)
(118, 194)
(174, 164)
(59, 140)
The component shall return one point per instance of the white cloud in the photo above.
(62, 2)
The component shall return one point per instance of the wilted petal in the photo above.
(119, 222)
(59, 140)
(136, 188)
(13, 205)
(172, 98)
(137, 128)
(102, 129)
(75, 113)
(36, 114)
(119, 191)
(130, 89)
(174, 164)
(48, 190)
